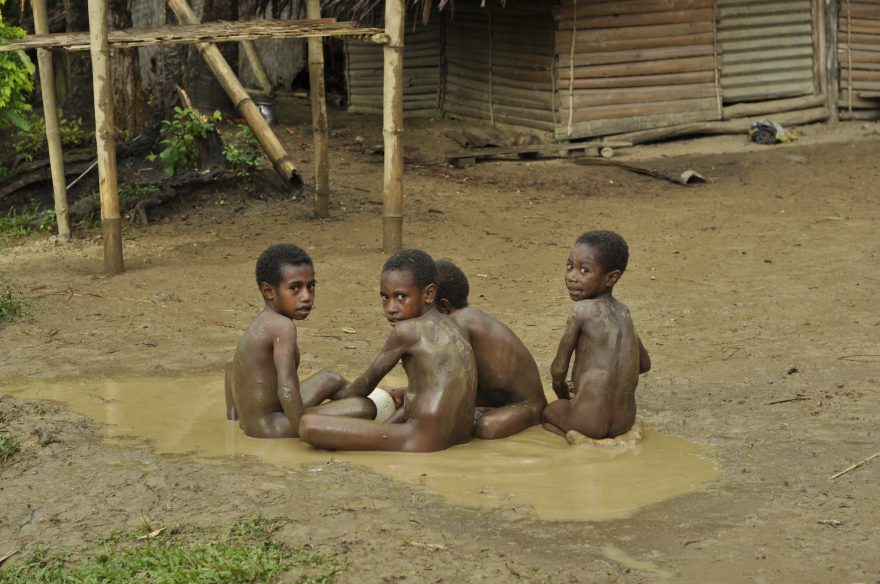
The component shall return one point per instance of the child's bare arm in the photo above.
(399, 340)
(644, 358)
(287, 380)
(559, 368)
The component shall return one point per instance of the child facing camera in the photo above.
(600, 403)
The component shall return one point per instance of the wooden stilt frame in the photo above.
(392, 113)
(111, 223)
(50, 114)
(319, 116)
(242, 100)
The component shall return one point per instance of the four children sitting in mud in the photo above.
(468, 374)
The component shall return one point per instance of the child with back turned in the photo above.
(438, 407)
(510, 397)
(599, 407)
(263, 390)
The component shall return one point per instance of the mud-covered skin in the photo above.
(509, 390)
(263, 389)
(438, 406)
(608, 355)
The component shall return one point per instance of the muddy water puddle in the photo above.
(531, 471)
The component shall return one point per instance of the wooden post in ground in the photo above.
(242, 101)
(111, 223)
(253, 57)
(50, 114)
(392, 114)
(319, 116)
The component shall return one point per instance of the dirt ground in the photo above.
(754, 288)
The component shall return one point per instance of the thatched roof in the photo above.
(363, 9)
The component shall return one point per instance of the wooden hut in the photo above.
(589, 68)
(858, 56)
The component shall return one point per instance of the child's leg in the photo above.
(507, 420)
(228, 381)
(319, 387)
(273, 425)
(323, 386)
(337, 433)
(554, 417)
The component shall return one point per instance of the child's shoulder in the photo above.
(270, 322)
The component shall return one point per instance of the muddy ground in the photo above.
(754, 288)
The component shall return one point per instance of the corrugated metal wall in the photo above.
(499, 63)
(767, 49)
(859, 58)
(421, 72)
(634, 65)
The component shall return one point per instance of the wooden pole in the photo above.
(242, 101)
(392, 113)
(111, 223)
(253, 57)
(50, 113)
(319, 117)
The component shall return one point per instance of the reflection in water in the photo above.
(532, 469)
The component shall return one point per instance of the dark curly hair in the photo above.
(270, 262)
(452, 284)
(417, 263)
(612, 249)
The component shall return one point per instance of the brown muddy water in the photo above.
(532, 472)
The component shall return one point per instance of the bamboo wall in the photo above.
(421, 72)
(500, 63)
(635, 65)
(859, 59)
(767, 49)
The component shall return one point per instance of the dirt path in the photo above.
(754, 288)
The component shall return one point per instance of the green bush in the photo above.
(243, 155)
(31, 140)
(16, 79)
(180, 136)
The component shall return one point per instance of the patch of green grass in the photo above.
(8, 446)
(19, 222)
(11, 308)
(134, 193)
(244, 555)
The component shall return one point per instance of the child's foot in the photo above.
(628, 440)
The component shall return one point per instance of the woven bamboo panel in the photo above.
(634, 65)
(858, 53)
(767, 49)
(421, 73)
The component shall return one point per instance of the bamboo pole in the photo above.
(253, 57)
(242, 100)
(50, 114)
(111, 223)
(319, 117)
(392, 113)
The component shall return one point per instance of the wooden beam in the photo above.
(319, 117)
(50, 114)
(392, 114)
(111, 223)
(187, 34)
(242, 101)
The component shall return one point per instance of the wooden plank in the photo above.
(641, 109)
(593, 98)
(634, 56)
(533, 148)
(641, 68)
(187, 34)
(639, 80)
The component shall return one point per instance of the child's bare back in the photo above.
(608, 354)
(510, 396)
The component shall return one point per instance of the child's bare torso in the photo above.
(606, 368)
(506, 371)
(442, 375)
(255, 389)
